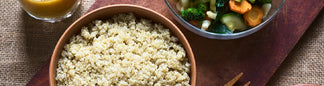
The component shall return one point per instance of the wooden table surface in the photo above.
(258, 56)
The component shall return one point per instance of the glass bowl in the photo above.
(276, 6)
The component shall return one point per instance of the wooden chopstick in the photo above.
(234, 80)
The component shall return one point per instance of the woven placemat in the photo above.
(27, 43)
(305, 63)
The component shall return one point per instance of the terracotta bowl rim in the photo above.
(174, 29)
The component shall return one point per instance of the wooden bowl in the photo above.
(107, 12)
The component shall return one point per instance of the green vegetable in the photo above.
(261, 2)
(264, 1)
(219, 15)
(252, 1)
(197, 2)
(221, 8)
(238, 0)
(202, 7)
(212, 5)
(200, 1)
(217, 27)
(193, 14)
(233, 21)
(221, 3)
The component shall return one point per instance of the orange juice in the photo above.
(49, 8)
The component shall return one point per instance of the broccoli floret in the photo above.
(196, 14)
(193, 14)
(202, 7)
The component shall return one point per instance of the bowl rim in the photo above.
(223, 36)
(173, 28)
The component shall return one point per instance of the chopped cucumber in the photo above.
(233, 21)
(266, 8)
(221, 29)
(238, 0)
(217, 27)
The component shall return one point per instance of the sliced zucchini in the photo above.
(233, 21)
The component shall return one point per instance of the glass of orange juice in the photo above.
(50, 10)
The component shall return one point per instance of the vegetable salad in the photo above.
(224, 16)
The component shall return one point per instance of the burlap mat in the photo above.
(305, 63)
(27, 43)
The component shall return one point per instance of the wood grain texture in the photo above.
(258, 56)
(41, 78)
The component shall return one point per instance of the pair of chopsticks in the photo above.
(235, 79)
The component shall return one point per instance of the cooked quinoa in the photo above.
(123, 50)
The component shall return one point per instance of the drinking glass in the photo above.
(50, 10)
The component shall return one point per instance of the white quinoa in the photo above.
(123, 51)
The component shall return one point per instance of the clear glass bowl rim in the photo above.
(225, 36)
